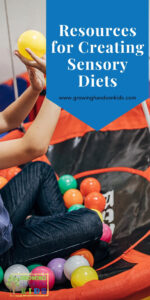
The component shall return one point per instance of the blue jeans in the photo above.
(51, 231)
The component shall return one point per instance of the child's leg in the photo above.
(49, 199)
(35, 186)
(42, 238)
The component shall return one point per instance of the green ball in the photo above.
(67, 182)
(1, 274)
(75, 207)
(32, 267)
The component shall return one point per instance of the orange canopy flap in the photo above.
(69, 126)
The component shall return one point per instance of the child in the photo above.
(51, 230)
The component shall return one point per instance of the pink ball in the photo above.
(40, 284)
(107, 234)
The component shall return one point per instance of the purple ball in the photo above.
(57, 266)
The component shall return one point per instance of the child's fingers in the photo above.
(20, 56)
(27, 62)
(17, 54)
(33, 55)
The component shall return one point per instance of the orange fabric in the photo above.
(15, 134)
(134, 256)
(139, 295)
(116, 169)
(42, 158)
(133, 119)
(3, 173)
(9, 82)
(147, 173)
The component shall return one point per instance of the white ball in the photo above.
(13, 278)
(73, 263)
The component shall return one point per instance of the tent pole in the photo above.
(146, 113)
(11, 58)
(11, 52)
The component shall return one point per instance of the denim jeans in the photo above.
(51, 231)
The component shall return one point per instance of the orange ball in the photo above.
(12, 172)
(95, 200)
(89, 185)
(3, 173)
(72, 197)
(3, 182)
(86, 254)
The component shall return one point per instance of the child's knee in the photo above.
(40, 165)
(87, 221)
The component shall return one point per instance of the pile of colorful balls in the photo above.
(88, 196)
(78, 269)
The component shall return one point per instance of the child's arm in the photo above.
(15, 113)
(36, 140)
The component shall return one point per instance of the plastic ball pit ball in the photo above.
(86, 254)
(107, 234)
(12, 278)
(83, 275)
(33, 40)
(75, 207)
(1, 274)
(72, 197)
(3, 182)
(57, 266)
(99, 214)
(89, 185)
(95, 200)
(73, 263)
(40, 284)
(67, 182)
(32, 267)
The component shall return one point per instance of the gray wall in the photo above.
(23, 15)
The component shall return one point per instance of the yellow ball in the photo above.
(83, 275)
(100, 215)
(33, 40)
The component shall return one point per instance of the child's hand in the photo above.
(38, 63)
(37, 79)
